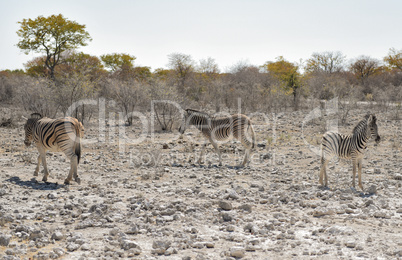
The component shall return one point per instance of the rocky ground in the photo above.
(151, 201)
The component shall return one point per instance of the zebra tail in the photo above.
(252, 133)
(322, 149)
(77, 145)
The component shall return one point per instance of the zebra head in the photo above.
(194, 117)
(372, 127)
(28, 127)
(186, 120)
(183, 125)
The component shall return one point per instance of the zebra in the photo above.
(349, 146)
(221, 129)
(62, 134)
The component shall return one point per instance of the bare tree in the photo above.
(208, 66)
(328, 62)
(183, 65)
(129, 96)
(364, 67)
(6, 89)
(164, 99)
(39, 98)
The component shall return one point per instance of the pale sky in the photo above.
(229, 31)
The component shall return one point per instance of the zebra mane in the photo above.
(36, 115)
(193, 111)
(362, 124)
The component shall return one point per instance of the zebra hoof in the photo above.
(66, 182)
(44, 179)
(36, 174)
(78, 180)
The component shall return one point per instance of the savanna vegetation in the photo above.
(60, 76)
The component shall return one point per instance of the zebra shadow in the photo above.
(351, 190)
(34, 184)
(211, 166)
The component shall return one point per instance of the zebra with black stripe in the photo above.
(349, 146)
(62, 134)
(221, 129)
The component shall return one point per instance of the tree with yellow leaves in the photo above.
(51, 35)
(288, 74)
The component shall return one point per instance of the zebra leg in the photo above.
(73, 170)
(359, 167)
(202, 153)
(43, 156)
(74, 164)
(215, 145)
(246, 157)
(76, 178)
(323, 172)
(36, 172)
(354, 172)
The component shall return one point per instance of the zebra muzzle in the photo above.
(378, 139)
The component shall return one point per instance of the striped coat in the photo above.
(349, 146)
(57, 135)
(221, 129)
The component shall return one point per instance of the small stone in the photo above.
(114, 231)
(249, 228)
(52, 196)
(158, 251)
(351, 244)
(225, 205)
(349, 211)
(133, 230)
(227, 217)
(380, 214)
(246, 207)
(170, 251)
(5, 240)
(72, 247)
(198, 245)
(372, 189)
(85, 247)
(230, 228)
(237, 252)
(10, 252)
(398, 252)
(161, 244)
(129, 244)
(359, 247)
(57, 236)
(59, 251)
(233, 195)
(36, 234)
(251, 248)
(133, 252)
(209, 244)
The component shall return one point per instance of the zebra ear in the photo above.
(372, 119)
